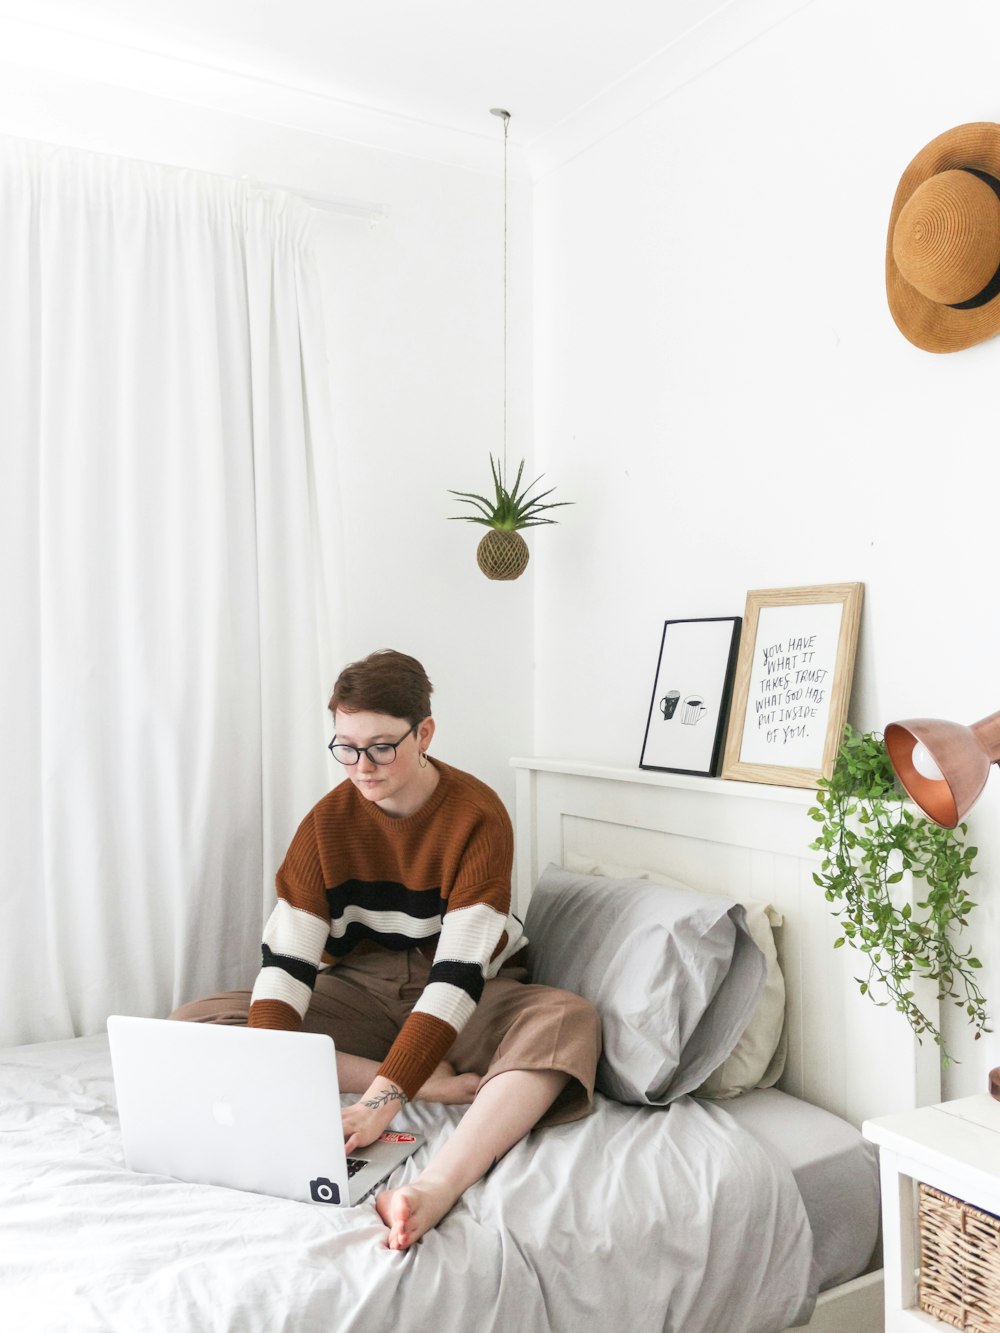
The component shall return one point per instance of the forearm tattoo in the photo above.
(394, 1094)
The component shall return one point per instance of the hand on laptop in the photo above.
(367, 1118)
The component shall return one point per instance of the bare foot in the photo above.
(448, 1088)
(412, 1210)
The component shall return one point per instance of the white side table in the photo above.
(953, 1147)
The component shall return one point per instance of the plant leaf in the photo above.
(511, 508)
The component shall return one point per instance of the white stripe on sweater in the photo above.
(385, 923)
(295, 933)
(449, 1003)
(273, 983)
(470, 934)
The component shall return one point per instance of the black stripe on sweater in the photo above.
(295, 967)
(466, 976)
(360, 930)
(384, 896)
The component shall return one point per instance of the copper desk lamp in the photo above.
(943, 767)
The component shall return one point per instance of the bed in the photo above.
(757, 1212)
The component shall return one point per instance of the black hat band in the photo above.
(992, 288)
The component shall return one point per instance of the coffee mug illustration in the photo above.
(694, 710)
(668, 704)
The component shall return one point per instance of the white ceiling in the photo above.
(417, 75)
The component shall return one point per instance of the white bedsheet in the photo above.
(636, 1218)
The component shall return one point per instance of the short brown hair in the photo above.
(384, 682)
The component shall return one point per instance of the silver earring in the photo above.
(423, 758)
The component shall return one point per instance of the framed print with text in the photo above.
(793, 683)
(691, 692)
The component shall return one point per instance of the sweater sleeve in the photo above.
(477, 931)
(294, 937)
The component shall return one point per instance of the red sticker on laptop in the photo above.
(390, 1136)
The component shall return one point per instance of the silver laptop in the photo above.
(245, 1107)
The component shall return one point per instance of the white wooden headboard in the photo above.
(844, 1053)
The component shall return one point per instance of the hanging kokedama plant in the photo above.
(503, 552)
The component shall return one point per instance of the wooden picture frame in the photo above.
(691, 694)
(793, 683)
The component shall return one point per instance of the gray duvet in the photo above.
(637, 1218)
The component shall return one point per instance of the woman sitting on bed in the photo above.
(392, 933)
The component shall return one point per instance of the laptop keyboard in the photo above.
(354, 1165)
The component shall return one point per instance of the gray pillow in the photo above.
(674, 974)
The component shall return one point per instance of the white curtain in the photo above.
(165, 656)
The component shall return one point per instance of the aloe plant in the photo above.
(509, 509)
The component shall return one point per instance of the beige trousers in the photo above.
(363, 1002)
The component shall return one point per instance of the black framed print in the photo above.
(691, 693)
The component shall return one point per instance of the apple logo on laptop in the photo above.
(223, 1113)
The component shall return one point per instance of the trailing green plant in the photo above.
(870, 837)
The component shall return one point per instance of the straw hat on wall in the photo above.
(942, 259)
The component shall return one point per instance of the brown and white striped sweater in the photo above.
(439, 877)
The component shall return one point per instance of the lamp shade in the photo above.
(943, 765)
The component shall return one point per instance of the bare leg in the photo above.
(355, 1074)
(505, 1109)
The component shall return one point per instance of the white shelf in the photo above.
(753, 791)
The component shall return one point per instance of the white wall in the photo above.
(718, 385)
(415, 331)
(721, 388)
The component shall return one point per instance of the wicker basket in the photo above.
(959, 1262)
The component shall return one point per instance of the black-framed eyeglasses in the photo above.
(383, 752)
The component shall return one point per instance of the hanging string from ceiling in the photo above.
(503, 553)
(505, 117)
